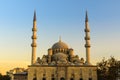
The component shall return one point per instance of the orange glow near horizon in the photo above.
(9, 65)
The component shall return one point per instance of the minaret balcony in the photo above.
(34, 45)
(34, 37)
(87, 45)
(87, 30)
(34, 29)
(87, 38)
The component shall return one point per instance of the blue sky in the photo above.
(56, 18)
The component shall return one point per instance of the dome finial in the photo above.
(59, 38)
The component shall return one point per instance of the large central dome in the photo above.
(60, 45)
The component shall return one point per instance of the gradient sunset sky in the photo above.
(65, 18)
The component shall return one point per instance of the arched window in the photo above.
(52, 75)
(71, 79)
(81, 78)
(90, 78)
(44, 79)
(62, 78)
(53, 79)
(44, 75)
(35, 78)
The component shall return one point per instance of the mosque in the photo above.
(61, 63)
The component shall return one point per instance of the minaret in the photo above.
(34, 37)
(87, 39)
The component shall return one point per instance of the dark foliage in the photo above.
(4, 77)
(108, 69)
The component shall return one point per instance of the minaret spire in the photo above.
(87, 40)
(34, 18)
(86, 19)
(34, 37)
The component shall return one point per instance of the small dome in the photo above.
(60, 45)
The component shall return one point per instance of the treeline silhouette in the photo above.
(4, 77)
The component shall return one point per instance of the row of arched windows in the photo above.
(60, 50)
(61, 78)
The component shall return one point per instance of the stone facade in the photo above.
(20, 76)
(62, 72)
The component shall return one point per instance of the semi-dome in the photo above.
(61, 57)
(60, 45)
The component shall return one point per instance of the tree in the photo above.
(4, 77)
(107, 69)
(102, 69)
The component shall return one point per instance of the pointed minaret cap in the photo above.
(86, 19)
(34, 18)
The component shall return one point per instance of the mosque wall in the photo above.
(62, 73)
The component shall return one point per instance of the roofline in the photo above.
(62, 66)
